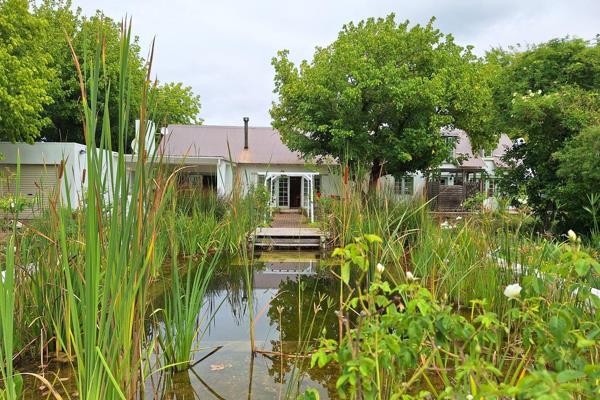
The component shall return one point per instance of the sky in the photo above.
(223, 49)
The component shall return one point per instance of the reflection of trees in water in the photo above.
(229, 283)
(302, 311)
(295, 371)
(298, 299)
(178, 386)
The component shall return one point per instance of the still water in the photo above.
(293, 298)
(293, 301)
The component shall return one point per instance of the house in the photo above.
(465, 173)
(48, 170)
(227, 157)
(221, 157)
(224, 158)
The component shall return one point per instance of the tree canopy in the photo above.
(39, 89)
(546, 94)
(380, 94)
(579, 170)
(174, 103)
(24, 73)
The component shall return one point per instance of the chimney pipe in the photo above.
(246, 119)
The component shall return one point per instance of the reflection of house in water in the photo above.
(279, 267)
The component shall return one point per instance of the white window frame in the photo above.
(283, 191)
(404, 185)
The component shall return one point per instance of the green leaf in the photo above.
(373, 238)
(584, 343)
(582, 267)
(345, 273)
(337, 252)
(569, 375)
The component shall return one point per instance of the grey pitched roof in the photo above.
(264, 144)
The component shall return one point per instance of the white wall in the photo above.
(387, 183)
(74, 179)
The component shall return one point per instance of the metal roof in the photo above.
(264, 144)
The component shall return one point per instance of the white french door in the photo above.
(283, 191)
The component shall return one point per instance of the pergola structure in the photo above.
(272, 180)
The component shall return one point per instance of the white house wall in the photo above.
(74, 178)
(387, 184)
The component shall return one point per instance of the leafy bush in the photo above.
(400, 342)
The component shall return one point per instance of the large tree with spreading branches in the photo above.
(380, 94)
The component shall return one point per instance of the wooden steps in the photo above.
(286, 238)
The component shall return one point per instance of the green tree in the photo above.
(546, 94)
(24, 72)
(174, 103)
(63, 24)
(64, 112)
(380, 94)
(579, 169)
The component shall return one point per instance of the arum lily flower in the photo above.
(513, 291)
(410, 276)
(572, 235)
(380, 268)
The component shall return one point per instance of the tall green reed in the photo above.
(106, 298)
(13, 384)
(183, 321)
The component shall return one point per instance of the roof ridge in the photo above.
(220, 126)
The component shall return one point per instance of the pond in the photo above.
(293, 302)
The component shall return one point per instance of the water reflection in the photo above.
(293, 300)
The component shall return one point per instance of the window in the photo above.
(491, 187)
(190, 179)
(306, 192)
(283, 191)
(317, 183)
(209, 182)
(260, 180)
(404, 185)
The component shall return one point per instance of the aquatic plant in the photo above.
(185, 317)
(13, 383)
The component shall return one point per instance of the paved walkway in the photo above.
(289, 220)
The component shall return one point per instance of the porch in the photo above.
(452, 186)
(292, 190)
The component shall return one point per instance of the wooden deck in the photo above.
(288, 230)
(299, 237)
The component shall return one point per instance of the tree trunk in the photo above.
(376, 173)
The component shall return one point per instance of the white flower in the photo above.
(380, 268)
(469, 397)
(572, 235)
(513, 291)
(458, 218)
(445, 225)
(12, 204)
(410, 276)
(19, 224)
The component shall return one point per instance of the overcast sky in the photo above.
(223, 48)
